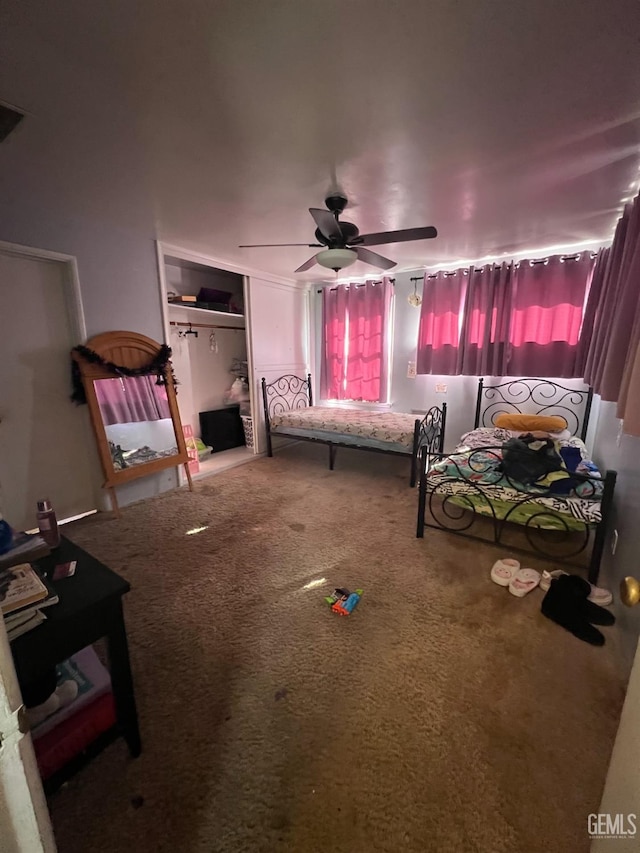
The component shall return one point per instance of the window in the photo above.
(355, 344)
(439, 332)
(548, 301)
(513, 319)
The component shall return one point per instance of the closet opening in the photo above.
(205, 320)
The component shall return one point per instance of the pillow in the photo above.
(547, 423)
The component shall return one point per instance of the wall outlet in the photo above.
(411, 370)
(614, 542)
(441, 387)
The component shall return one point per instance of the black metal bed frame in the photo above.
(290, 392)
(456, 513)
(540, 396)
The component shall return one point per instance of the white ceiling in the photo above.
(508, 125)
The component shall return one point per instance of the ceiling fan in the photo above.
(343, 241)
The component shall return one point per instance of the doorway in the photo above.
(44, 450)
(206, 330)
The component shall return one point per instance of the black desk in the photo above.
(90, 608)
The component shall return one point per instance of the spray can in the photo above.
(48, 523)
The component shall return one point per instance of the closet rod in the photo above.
(206, 326)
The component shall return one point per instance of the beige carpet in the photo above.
(443, 715)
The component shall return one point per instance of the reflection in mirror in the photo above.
(137, 421)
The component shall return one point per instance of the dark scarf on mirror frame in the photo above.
(158, 366)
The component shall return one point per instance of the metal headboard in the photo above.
(286, 393)
(534, 397)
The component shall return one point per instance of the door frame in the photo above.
(25, 823)
(25, 802)
(247, 273)
(73, 293)
(78, 327)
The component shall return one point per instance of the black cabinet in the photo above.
(222, 428)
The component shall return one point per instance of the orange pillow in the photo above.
(527, 423)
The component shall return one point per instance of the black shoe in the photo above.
(562, 606)
(573, 585)
(594, 613)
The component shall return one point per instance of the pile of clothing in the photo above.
(532, 459)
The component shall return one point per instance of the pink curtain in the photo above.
(487, 314)
(613, 356)
(590, 337)
(367, 353)
(546, 315)
(355, 342)
(443, 298)
(332, 365)
(131, 399)
(508, 320)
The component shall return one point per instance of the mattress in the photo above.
(384, 430)
(470, 476)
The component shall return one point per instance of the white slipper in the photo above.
(504, 571)
(547, 577)
(600, 595)
(524, 581)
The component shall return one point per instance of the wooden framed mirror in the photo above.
(135, 417)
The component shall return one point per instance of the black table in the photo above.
(89, 609)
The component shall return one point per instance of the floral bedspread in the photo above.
(392, 427)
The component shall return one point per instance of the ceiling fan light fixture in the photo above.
(336, 259)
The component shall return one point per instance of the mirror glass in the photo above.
(137, 420)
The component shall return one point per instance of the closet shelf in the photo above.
(182, 307)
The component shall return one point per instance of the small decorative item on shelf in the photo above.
(238, 393)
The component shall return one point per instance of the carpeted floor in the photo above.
(443, 715)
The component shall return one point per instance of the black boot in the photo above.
(561, 605)
(579, 588)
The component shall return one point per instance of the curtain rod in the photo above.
(465, 270)
(207, 326)
(390, 280)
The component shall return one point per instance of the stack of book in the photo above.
(24, 594)
(181, 299)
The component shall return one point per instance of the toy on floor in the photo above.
(342, 601)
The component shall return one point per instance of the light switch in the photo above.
(411, 370)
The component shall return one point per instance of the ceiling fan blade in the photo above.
(275, 245)
(373, 258)
(327, 223)
(402, 236)
(307, 265)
